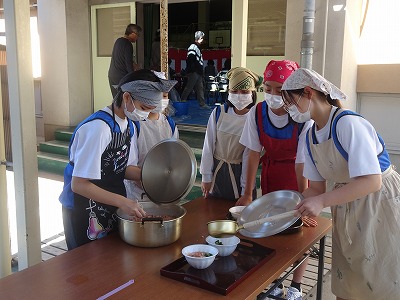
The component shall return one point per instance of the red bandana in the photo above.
(279, 70)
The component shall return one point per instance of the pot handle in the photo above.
(151, 219)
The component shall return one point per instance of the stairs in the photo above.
(53, 155)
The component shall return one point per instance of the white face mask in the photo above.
(273, 101)
(161, 106)
(240, 101)
(128, 113)
(141, 114)
(297, 116)
(136, 114)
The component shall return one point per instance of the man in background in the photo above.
(194, 70)
(122, 61)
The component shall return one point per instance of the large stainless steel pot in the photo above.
(152, 232)
(168, 174)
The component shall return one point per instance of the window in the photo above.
(266, 27)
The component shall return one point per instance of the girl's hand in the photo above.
(133, 208)
(205, 187)
(310, 207)
(244, 200)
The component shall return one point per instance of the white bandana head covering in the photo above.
(148, 92)
(302, 77)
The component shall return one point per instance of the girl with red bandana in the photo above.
(271, 130)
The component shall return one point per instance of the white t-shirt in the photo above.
(207, 157)
(358, 138)
(90, 141)
(251, 139)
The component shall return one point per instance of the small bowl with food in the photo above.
(225, 246)
(236, 211)
(200, 256)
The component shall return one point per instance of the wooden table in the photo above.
(99, 267)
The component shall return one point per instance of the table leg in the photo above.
(314, 252)
(283, 278)
(321, 260)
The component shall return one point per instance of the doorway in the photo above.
(108, 22)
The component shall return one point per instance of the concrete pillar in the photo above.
(239, 32)
(23, 130)
(65, 53)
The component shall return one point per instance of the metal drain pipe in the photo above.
(307, 42)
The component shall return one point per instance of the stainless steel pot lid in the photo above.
(168, 171)
(269, 205)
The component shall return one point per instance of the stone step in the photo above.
(52, 163)
(64, 134)
(55, 147)
(192, 135)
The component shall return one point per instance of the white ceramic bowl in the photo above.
(235, 211)
(229, 244)
(200, 262)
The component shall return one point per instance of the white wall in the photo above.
(53, 44)
(257, 64)
(78, 59)
(65, 56)
(382, 110)
(348, 75)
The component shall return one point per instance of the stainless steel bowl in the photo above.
(270, 204)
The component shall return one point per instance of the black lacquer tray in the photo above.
(226, 272)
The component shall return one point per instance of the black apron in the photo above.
(89, 220)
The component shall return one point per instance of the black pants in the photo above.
(195, 81)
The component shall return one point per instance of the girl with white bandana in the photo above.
(345, 149)
(100, 155)
(156, 127)
(223, 157)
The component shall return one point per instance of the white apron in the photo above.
(228, 156)
(366, 232)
